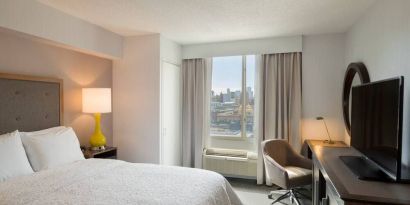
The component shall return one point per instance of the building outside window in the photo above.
(233, 97)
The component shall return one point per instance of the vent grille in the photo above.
(226, 153)
(228, 162)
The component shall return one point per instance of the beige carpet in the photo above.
(252, 194)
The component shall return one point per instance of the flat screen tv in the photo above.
(376, 130)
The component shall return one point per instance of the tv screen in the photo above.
(376, 122)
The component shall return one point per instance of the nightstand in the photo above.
(107, 153)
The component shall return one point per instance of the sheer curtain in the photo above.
(278, 105)
(196, 76)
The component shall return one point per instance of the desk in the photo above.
(335, 184)
(313, 143)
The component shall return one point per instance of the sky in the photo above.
(227, 73)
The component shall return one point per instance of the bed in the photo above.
(31, 103)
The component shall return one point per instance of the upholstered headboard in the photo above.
(30, 103)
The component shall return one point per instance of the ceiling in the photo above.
(202, 21)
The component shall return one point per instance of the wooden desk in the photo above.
(334, 183)
(313, 143)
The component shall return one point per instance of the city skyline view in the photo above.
(229, 117)
(227, 73)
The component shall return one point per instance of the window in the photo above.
(232, 97)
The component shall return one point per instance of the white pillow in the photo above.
(52, 147)
(13, 159)
(43, 132)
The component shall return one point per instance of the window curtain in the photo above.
(278, 104)
(196, 76)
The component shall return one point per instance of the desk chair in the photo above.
(286, 169)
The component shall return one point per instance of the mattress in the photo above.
(104, 181)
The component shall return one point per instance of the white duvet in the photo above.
(102, 181)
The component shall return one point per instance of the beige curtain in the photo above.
(279, 102)
(196, 76)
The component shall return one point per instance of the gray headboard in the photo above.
(30, 103)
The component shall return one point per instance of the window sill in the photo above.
(231, 138)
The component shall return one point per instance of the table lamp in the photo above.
(97, 101)
(328, 135)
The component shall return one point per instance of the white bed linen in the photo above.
(103, 181)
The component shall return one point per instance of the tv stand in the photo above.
(365, 169)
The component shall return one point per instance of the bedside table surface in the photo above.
(89, 153)
(107, 149)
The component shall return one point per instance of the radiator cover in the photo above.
(231, 163)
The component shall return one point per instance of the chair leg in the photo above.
(293, 194)
(297, 201)
(293, 197)
(270, 195)
(284, 196)
(302, 194)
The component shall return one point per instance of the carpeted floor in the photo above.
(252, 194)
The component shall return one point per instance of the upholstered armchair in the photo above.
(286, 168)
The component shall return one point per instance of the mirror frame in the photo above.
(352, 70)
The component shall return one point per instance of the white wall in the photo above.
(323, 64)
(381, 40)
(136, 100)
(170, 51)
(36, 19)
(136, 96)
(21, 55)
(243, 47)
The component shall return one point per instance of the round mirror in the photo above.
(356, 81)
(356, 74)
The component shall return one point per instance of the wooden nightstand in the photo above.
(107, 153)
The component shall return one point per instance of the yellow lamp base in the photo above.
(97, 140)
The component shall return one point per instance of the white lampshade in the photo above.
(96, 100)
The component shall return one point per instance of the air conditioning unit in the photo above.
(230, 163)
